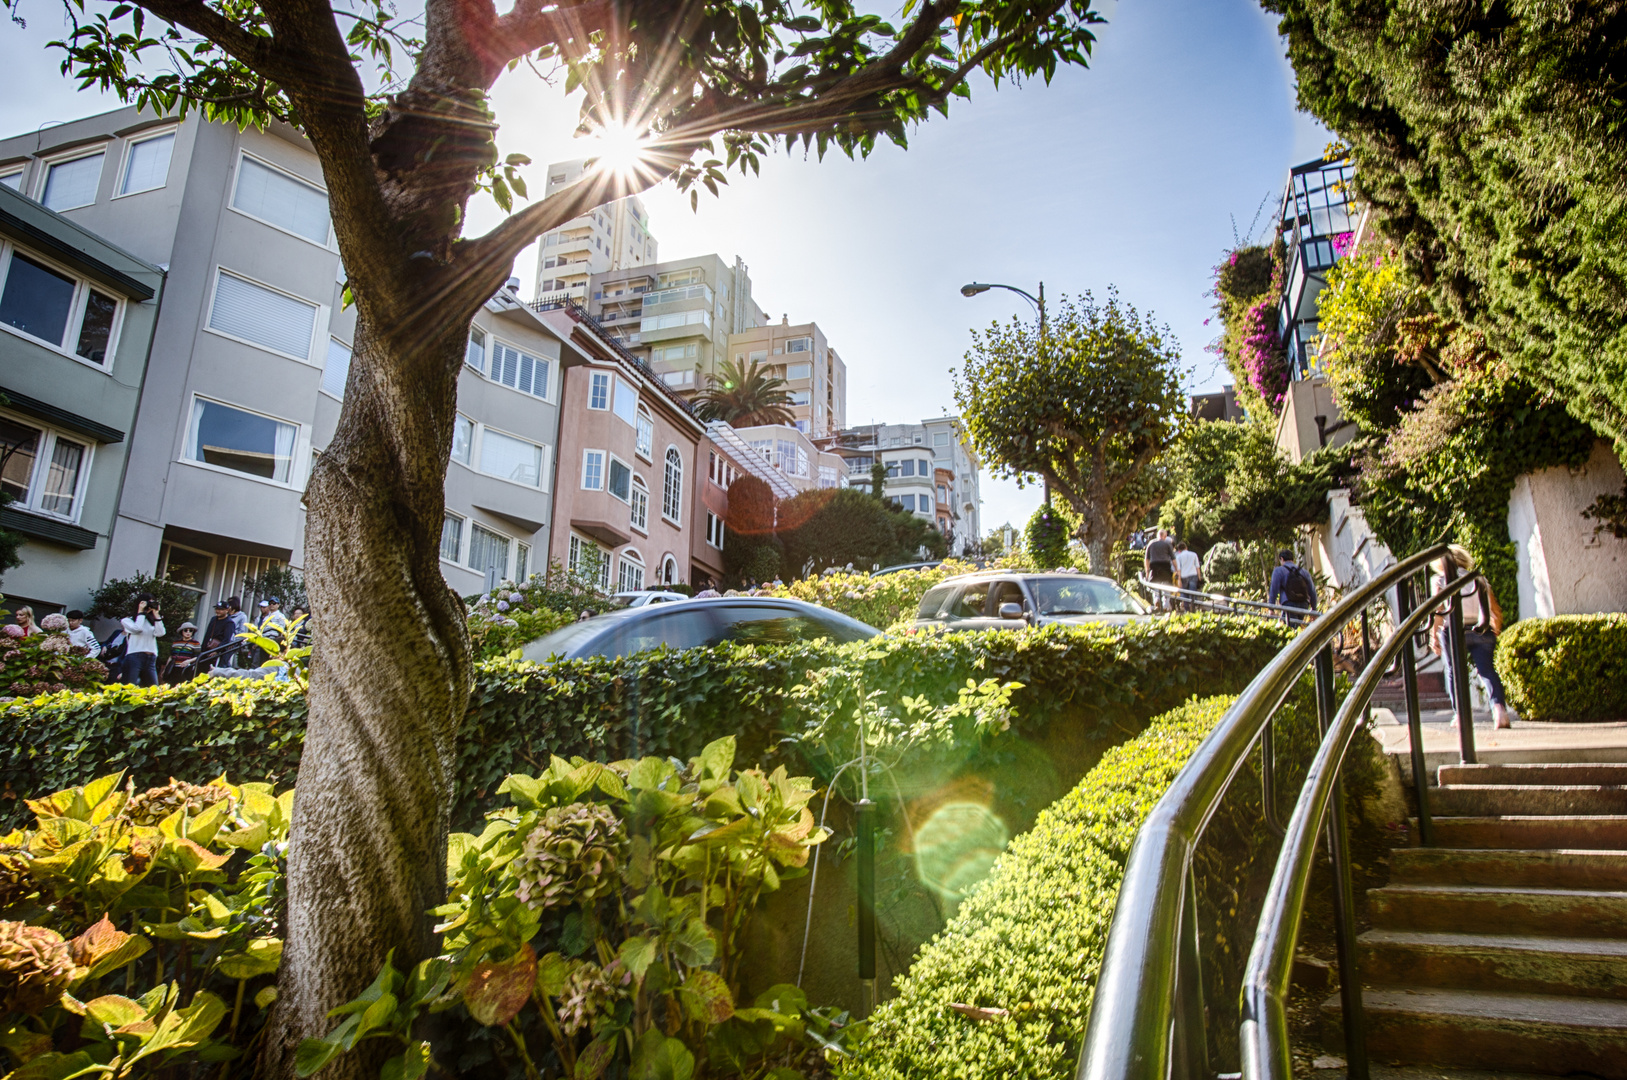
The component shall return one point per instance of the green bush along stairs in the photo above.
(1568, 667)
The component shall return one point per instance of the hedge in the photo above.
(1568, 667)
(1028, 943)
(1105, 681)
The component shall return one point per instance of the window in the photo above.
(71, 184)
(593, 470)
(906, 467)
(679, 379)
(759, 356)
(42, 470)
(599, 390)
(236, 439)
(12, 179)
(625, 403)
(488, 551)
(940, 438)
(630, 574)
(510, 458)
(146, 163)
(640, 516)
(451, 537)
(280, 200)
(57, 308)
(672, 495)
(522, 562)
(676, 354)
(522, 371)
(261, 316)
(475, 354)
(463, 439)
(621, 479)
(337, 369)
(676, 318)
(799, 371)
(714, 530)
(799, 345)
(800, 397)
(646, 433)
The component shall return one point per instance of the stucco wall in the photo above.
(1564, 569)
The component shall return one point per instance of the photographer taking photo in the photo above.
(142, 629)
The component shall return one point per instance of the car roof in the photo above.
(989, 575)
(591, 629)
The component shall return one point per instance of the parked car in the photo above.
(1007, 599)
(645, 597)
(929, 565)
(753, 619)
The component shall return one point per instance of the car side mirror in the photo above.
(1011, 611)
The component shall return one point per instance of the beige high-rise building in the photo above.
(799, 354)
(612, 237)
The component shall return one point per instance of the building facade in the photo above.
(931, 472)
(1317, 219)
(612, 237)
(251, 352)
(76, 321)
(814, 374)
(788, 451)
(677, 316)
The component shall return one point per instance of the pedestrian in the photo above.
(24, 617)
(299, 619)
(240, 620)
(183, 654)
(1189, 570)
(273, 623)
(1158, 561)
(1292, 587)
(1479, 636)
(142, 629)
(81, 635)
(220, 631)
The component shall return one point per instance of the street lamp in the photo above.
(1039, 302)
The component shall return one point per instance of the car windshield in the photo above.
(1080, 596)
(561, 641)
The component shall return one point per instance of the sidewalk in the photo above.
(1525, 742)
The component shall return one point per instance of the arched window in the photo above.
(640, 517)
(672, 497)
(669, 571)
(646, 432)
(630, 572)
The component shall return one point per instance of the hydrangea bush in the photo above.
(48, 664)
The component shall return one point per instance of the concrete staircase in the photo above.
(1505, 946)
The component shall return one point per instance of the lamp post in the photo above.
(972, 289)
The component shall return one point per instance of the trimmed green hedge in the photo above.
(1569, 667)
(1030, 939)
(1103, 681)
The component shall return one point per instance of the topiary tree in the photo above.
(751, 550)
(838, 526)
(117, 599)
(1046, 538)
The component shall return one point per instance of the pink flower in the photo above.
(12, 630)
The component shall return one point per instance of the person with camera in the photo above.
(141, 633)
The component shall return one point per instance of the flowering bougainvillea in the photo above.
(1247, 283)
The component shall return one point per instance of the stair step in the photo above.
(1555, 869)
(1499, 910)
(1476, 800)
(1584, 967)
(1572, 772)
(1591, 831)
(1535, 1033)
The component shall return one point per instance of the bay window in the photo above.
(55, 307)
(44, 471)
(228, 437)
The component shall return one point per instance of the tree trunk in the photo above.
(1101, 558)
(390, 680)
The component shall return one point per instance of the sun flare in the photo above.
(618, 149)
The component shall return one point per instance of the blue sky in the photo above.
(1126, 173)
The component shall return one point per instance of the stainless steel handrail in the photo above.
(1132, 1033)
(1222, 602)
(1263, 1036)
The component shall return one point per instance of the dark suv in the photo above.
(1007, 599)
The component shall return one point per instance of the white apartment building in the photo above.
(612, 237)
(789, 452)
(931, 472)
(815, 376)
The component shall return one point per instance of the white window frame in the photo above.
(593, 383)
(66, 158)
(714, 530)
(630, 559)
(604, 468)
(322, 386)
(476, 445)
(644, 437)
(124, 160)
(457, 559)
(76, 312)
(474, 435)
(469, 549)
(666, 483)
(301, 437)
(19, 171)
(672, 578)
(485, 348)
(42, 464)
(492, 341)
(317, 324)
(612, 459)
(638, 506)
(231, 200)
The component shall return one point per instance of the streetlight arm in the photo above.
(978, 287)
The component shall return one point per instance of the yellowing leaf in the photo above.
(496, 992)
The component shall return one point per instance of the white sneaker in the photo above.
(1499, 715)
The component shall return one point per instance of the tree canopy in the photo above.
(1089, 407)
(745, 396)
(834, 527)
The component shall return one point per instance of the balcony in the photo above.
(686, 292)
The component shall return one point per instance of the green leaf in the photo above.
(637, 954)
(261, 956)
(312, 1055)
(657, 1057)
(718, 758)
(706, 997)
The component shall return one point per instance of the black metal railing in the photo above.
(1147, 1017)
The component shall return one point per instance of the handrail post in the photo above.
(1415, 721)
(1344, 905)
(1191, 1056)
(1459, 659)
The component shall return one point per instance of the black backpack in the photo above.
(1299, 589)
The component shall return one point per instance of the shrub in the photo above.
(513, 614)
(1005, 989)
(1568, 667)
(1047, 537)
(1104, 682)
(117, 598)
(45, 664)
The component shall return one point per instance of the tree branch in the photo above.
(261, 54)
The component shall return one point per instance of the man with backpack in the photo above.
(1291, 586)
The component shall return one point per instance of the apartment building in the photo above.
(815, 375)
(677, 316)
(632, 501)
(932, 472)
(1317, 210)
(77, 316)
(790, 453)
(251, 350)
(612, 237)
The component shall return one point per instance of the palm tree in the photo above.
(744, 397)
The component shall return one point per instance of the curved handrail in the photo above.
(1128, 1036)
(1223, 603)
(1263, 1037)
